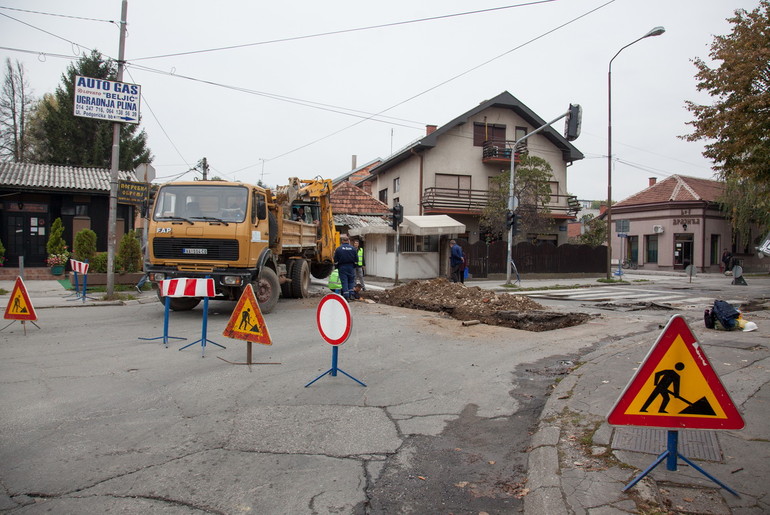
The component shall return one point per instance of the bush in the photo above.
(2, 253)
(56, 244)
(129, 253)
(85, 245)
(98, 263)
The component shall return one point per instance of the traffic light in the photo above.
(510, 221)
(572, 125)
(398, 216)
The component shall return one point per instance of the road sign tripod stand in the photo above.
(671, 455)
(203, 340)
(333, 371)
(165, 337)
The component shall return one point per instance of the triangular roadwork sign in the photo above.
(676, 387)
(247, 322)
(19, 306)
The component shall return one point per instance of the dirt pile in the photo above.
(474, 303)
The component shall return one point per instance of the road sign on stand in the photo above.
(676, 387)
(247, 322)
(19, 306)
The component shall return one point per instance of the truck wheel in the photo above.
(180, 303)
(300, 279)
(267, 288)
(286, 287)
(321, 270)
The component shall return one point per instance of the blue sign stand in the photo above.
(670, 455)
(203, 339)
(165, 336)
(81, 295)
(333, 371)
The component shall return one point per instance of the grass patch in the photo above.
(3, 292)
(612, 281)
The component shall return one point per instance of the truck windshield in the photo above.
(201, 203)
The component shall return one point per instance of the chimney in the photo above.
(354, 162)
(653, 180)
(602, 208)
(430, 129)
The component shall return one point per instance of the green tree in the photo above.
(533, 193)
(737, 125)
(56, 244)
(130, 253)
(63, 139)
(595, 232)
(15, 106)
(85, 245)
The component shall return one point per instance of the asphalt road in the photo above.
(95, 419)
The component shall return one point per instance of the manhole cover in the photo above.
(702, 445)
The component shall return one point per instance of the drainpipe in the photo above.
(419, 204)
(703, 239)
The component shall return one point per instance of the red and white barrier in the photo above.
(187, 288)
(80, 267)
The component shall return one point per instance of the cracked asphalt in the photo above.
(96, 420)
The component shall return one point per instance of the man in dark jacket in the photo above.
(456, 260)
(345, 259)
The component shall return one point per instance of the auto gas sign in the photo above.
(107, 100)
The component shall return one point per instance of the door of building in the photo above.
(25, 234)
(683, 247)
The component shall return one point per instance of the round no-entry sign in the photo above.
(333, 318)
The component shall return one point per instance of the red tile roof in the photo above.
(352, 200)
(677, 188)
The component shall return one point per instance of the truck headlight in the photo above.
(232, 280)
(157, 277)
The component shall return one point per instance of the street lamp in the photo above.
(657, 31)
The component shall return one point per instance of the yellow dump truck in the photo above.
(240, 234)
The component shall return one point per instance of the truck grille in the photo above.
(195, 249)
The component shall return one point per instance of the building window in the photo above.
(383, 196)
(453, 182)
(487, 132)
(520, 133)
(651, 247)
(396, 185)
(411, 244)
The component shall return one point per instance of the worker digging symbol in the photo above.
(245, 320)
(17, 307)
(665, 379)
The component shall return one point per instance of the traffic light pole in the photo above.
(512, 201)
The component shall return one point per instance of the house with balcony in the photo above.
(448, 172)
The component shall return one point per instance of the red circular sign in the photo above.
(333, 318)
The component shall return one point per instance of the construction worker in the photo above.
(334, 281)
(360, 264)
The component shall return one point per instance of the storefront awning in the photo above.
(431, 224)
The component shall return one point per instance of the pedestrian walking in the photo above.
(345, 259)
(456, 258)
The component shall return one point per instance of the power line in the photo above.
(345, 31)
(57, 15)
(455, 77)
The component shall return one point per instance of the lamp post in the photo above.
(657, 31)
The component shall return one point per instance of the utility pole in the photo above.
(204, 164)
(115, 162)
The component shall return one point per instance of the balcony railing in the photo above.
(453, 200)
(498, 152)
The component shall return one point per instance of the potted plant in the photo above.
(57, 248)
(57, 262)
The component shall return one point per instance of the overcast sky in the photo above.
(294, 100)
